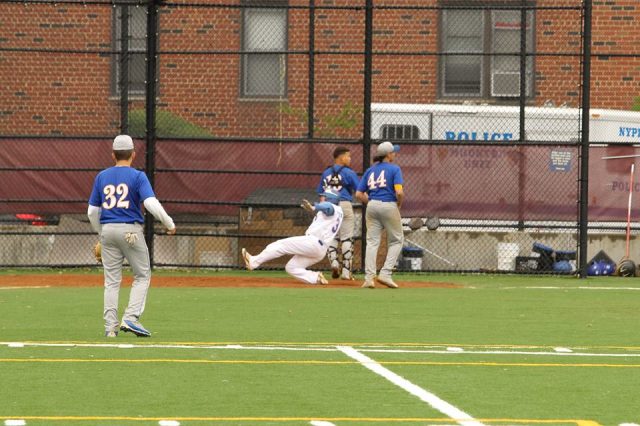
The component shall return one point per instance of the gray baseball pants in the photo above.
(382, 216)
(124, 241)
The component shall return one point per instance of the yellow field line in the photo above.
(298, 419)
(307, 362)
(360, 344)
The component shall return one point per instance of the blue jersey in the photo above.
(342, 179)
(379, 180)
(120, 192)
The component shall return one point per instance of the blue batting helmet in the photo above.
(595, 268)
(331, 195)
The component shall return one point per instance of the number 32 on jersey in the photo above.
(116, 196)
(374, 183)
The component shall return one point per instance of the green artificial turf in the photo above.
(485, 314)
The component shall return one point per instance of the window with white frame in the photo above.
(264, 41)
(482, 52)
(136, 49)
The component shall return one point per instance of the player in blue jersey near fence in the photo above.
(343, 180)
(115, 214)
(381, 189)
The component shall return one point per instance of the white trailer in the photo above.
(444, 122)
(512, 195)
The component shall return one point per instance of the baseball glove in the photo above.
(307, 206)
(97, 252)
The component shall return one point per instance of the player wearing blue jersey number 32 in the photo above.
(115, 214)
(381, 189)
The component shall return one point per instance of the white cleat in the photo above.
(247, 259)
(368, 284)
(321, 279)
(346, 275)
(387, 281)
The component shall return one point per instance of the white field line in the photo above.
(315, 349)
(570, 288)
(418, 351)
(434, 401)
(166, 346)
(320, 423)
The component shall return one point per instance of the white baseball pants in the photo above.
(306, 250)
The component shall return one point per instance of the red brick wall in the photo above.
(558, 79)
(70, 93)
(54, 93)
(615, 82)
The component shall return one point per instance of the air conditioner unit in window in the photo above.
(505, 84)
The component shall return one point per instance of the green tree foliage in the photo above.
(168, 125)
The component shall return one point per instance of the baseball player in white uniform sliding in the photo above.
(309, 248)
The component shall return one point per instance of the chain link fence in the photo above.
(236, 107)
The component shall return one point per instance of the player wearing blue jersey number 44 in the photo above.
(115, 214)
(381, 189)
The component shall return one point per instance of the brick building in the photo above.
(59, 67)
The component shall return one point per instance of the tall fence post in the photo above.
(366, 119)
(584, 145)
(124, 69)
(522, 105)
(150, 107)
(312, 38)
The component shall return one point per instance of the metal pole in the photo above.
(312, 38)
(124, 69)
(523, 103)
(366, 119)
(150, 107)
(584, 145)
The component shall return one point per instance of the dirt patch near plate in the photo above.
(79, 280)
